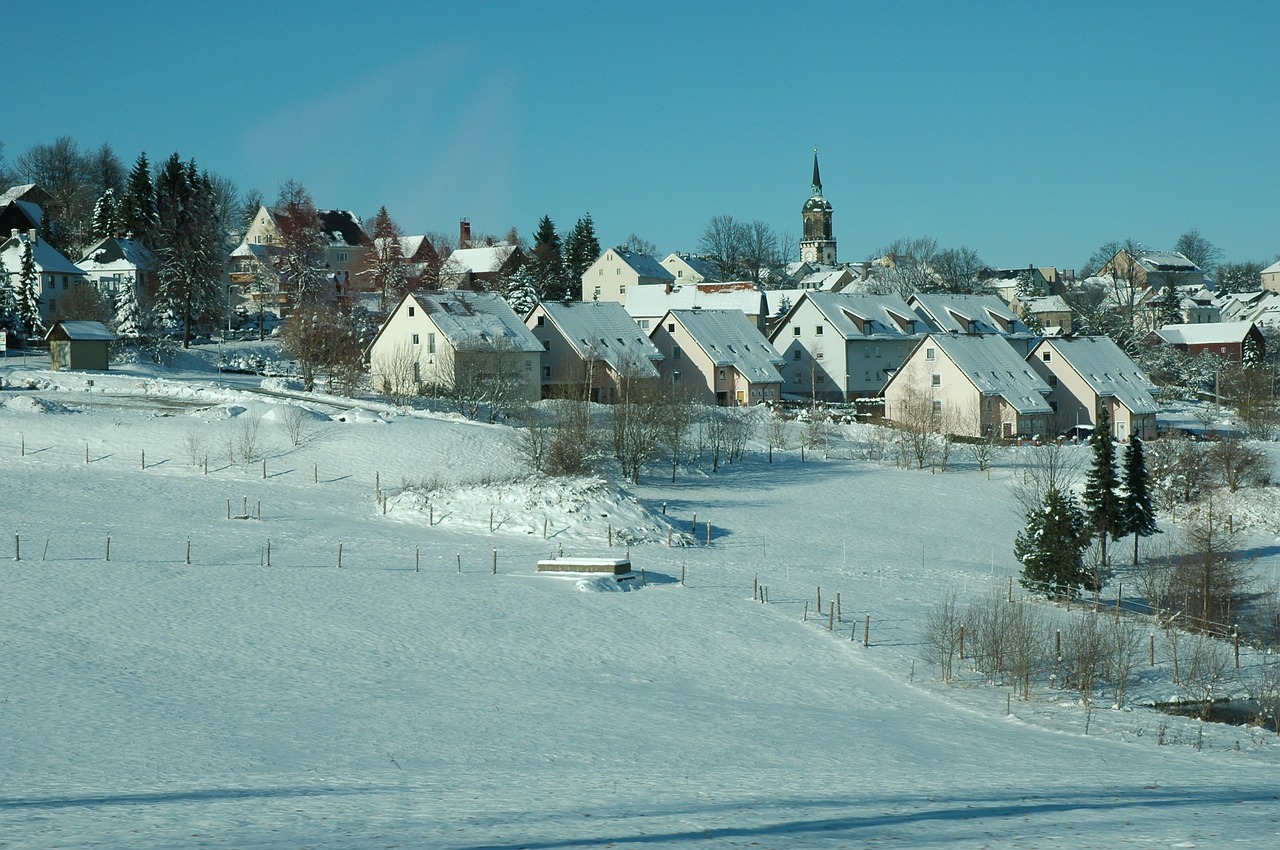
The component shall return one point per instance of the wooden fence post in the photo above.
(866, 631)
(188, 550)
(839, 610)
(108, 547)
(416, 559)
(339, 556)
(144, 459)
(268, 551)
(17, 548)
(228, 508)
(831, 617)
(495, 561)
(693, 527)
(315, 473)
(708, 532)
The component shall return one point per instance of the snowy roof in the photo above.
(602, 330)
(1274, 268)
(1106, 369)
(31, 210)
(992, 365)
(827, 278)
(111, 254)
(1166, 261)
(1047, 304)
(954, 313)
(471, 320)
(340, 227)
(1205, 333)
(48, 259)
(702, 266)
(82, 330)
(651, 300)
(857, 315)
(643, 264)
(489, 258)
(13, 193)
(776, 299)
(251, 249)
(729, 339)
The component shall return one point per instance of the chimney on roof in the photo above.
(13, 234)
(464, 233)
(667, 287)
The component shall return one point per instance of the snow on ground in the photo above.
(413, 698)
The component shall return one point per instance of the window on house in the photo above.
(622, 289)
(989, 404)
(643, 323)
(600, 272)
(542, 320)
(415, 339)
(935, 379)
(796, 330)
(675, 352)
(64, 281)
(937, 406)
(817, 355)
(671, 327)
(342, 256)
(1053, 380)
(1053, 405)
(597, 292)
(1046, 356)
(431, 343)
(866, 352)
(617, 271)
(818, 330)
(930, 354)
(822, 379)
(675, 376)
(877, 352)
(411, 311)
(795, 355)
(546, 371)
(679, 272)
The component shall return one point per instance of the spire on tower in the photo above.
(817, 180)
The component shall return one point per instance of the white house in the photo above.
(1086, 374)
(57, 276)
(691, 268)
(590, 348)
(616, 272)
(115, 265)
(839, 346)
(717, 356)
(969, 386)
(647, 304)
(431, 338)
(1271, 277)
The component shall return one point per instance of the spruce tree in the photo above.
(581, 249)
(385, 261)
(128, 318)
(1102, 506)
(29, 293)
(1139, 512)
(1050, 548)
(8, 299)
(520, 291)
(547, 271)
(138, 207)
(106, 215)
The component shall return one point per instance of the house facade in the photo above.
(968, 386)
(1270, 278)
(717, 357)
(482, 267)
(114, 266)
(616, 273)
(56, 275)
(1154, 269)
(691, 268)
(345, 241)
(590, 349)
(1090, 373)
(839, 346)
(432, 339)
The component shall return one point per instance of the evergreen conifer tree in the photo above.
(520, 291)
(29, 293)
(1102, 506)
(1050, 548)
(8, 299)
(138, 207)
(581, 249)
(386, 268)
(547, 271)
(1136, 504)
(128, 318)
(106, 215)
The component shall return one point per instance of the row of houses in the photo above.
(983, 377)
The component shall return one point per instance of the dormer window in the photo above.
(1046, 357)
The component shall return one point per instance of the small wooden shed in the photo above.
(79, 345)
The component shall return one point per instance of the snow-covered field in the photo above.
(414, 697)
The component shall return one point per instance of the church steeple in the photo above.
(817, 245)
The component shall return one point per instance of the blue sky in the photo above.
(1028, 132)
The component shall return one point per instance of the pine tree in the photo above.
(138, 207)
(519, 290)
(1139, 512)
(8, 299)
(386, 268)
(188, 245)
(1051, 546)
(1101, 497)
(581, 249)
(128, 316)
(547, 273)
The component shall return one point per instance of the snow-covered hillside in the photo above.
(416, 696)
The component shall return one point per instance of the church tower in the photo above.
(817, 245)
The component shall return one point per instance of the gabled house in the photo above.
(21, 208)
(826, 278)
(480, 268)
(839, 346)
(1154, 269)
(1227, 340)
(57, 276)
(972, 315)
(647, 304)
(116, 265)
(717, 356)
(344, 238)
(691, 268)
(590, 349)
(616, 273)
(1270, 277)
(969, 386)
(1086, 374)
(1051, 312)
(436, 339)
